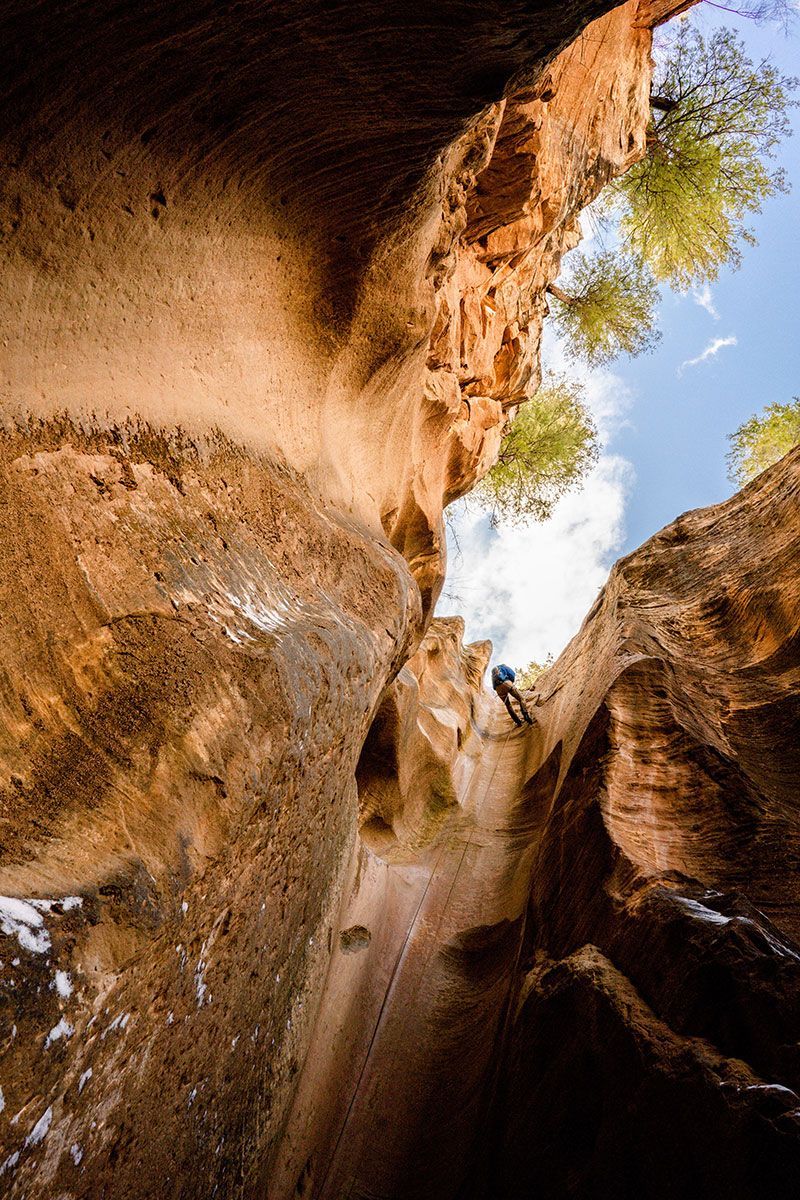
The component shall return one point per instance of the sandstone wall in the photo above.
(658, 1051)
(587, 983)
(578, 970)
(273, 283)
(232, 379)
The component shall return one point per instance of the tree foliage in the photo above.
(551, 445)
(761, 441)
(716, 122)
(607, 307)
(779, 12)
(528, 676)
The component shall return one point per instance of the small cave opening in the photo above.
(379, 797)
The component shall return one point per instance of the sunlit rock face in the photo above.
(238, 219)
(655, 1043)
(272, 864)
(239, 386)
(583, 971)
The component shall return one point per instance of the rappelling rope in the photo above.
(443, 910)
(392, 978)
(398, 963)
(504, 1032)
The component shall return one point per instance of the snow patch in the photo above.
(773, 1089)
(62, 1029)
(779, 947)
(63, 984)
(704, 914)
(22, 920)
(10, 1162)
(40, 1129)
(119, 1022)
(76, 1153)
(200, 985)
(84, 1079)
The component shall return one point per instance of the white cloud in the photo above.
(703, 297)
(713, 348)
(606, 395)
(528, 589)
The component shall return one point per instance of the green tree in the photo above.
(761, 441)
(550, 446)
(606, 307)
(528, 676)
(779, 12)
(717, 118)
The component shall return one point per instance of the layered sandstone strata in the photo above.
(587, 981)
(655, 1044)
(273, 283)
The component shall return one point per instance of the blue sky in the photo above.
(677, 437)
(663, 425)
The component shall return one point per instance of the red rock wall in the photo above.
(655, 1041)
(581, 975)
(225, 232)
(274, 868)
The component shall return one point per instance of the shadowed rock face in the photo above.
(661, 1051)
(232, 372)
(272, 866)
(587, 982)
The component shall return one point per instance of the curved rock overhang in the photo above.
(274, 281)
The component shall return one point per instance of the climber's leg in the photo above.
(523, 708)
(511, 713)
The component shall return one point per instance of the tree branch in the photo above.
(663, 103)
(556, 291)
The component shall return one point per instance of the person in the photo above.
(503, 683)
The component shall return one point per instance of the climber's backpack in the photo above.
(502, 674)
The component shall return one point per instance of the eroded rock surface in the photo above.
(566, 996)
(587, 981)
(271, 865)
(661, 1049)
(238, 390)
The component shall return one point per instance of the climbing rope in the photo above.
(381, 1010)
(396, 969)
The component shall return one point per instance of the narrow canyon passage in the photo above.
(398, 1079)
(289, 909)
(604, 869)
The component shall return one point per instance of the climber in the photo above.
(503, 683)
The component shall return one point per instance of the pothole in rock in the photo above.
(356, 938)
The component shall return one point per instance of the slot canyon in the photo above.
(289, 908)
